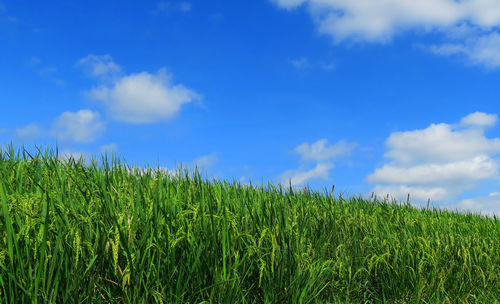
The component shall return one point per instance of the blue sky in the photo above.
(394, 96)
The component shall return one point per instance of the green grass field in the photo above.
(96, 232)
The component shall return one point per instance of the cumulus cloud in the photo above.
(99, 66)
(479, 119)
(379, 21)
(322, 154)
(143, 97)
(82, 126)
(439, 162)
(450, 173)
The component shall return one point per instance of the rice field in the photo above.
(102, 232)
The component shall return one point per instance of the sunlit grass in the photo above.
(75, 232)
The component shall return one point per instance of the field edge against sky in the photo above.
(393, 97)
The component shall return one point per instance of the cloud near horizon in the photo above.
(439, 162)
(29, 132)
(488, 205)
(82, 126)
(380, 21)
(320, 153)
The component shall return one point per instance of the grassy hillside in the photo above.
(98, 233)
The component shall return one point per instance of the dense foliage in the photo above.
(101, 232)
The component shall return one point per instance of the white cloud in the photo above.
(417, 193)
(439, 143)
(141, 171)
(99, 66)
(144, 97)
(67, 155)
(372, 20)
(301, 177)
(110, 148)
(82, 126)
(440, 161)
(29, 132)
(379, 21)
(205, 161)
(320, 153)
(320, 150)
(3, 130)
(487, 205)
(479, 119)
(461, 173)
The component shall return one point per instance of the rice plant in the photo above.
(103, 232)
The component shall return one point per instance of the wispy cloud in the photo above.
(29, 132)
(34, 60)
(169, 7)
(304, 63)
(301, 63)
(109, 148)
(328, 66)
(67, 155)
(487, 205)
(99, 66)
(483, 50)
(185, 6)
(204, 162)
(289, 4)
(6, 18)
(319, 153)
(46, 72)
(321, 150)
(138, 98)
(439, 162)
(301, 177)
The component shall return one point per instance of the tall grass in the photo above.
(72, 232)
